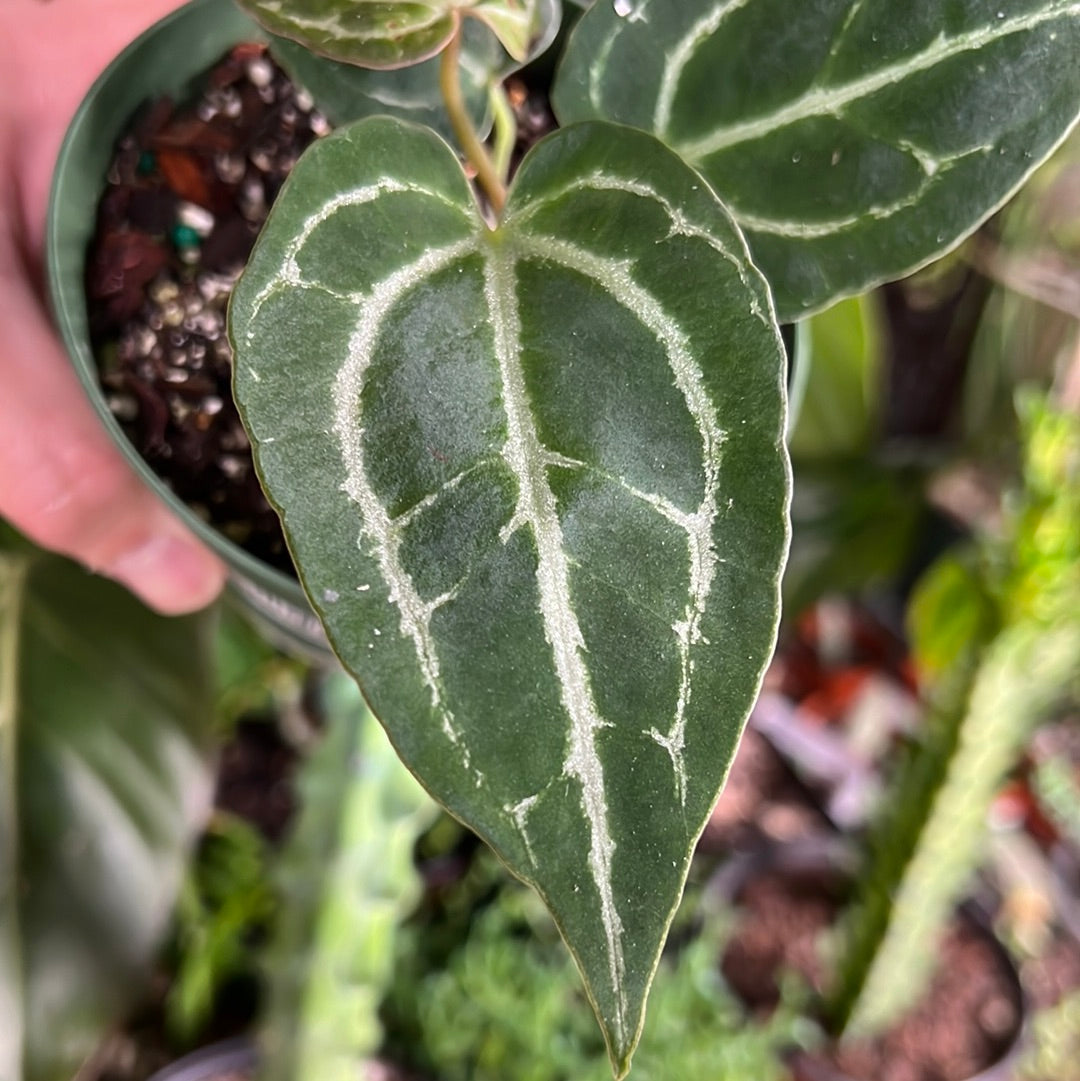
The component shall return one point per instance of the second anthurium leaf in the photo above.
(396, 33)
(536, 488)
(346, 92)
(853, 142)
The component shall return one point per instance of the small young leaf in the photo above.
(345, 92)
(536, 487)
(397, 33)
(545, 20)
(370, 33)
(524, 27)
(853, 142)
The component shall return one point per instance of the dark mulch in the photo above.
(255, 778)
(188, 191)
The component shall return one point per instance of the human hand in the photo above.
(61, 480)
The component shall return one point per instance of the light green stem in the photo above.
(476, 153)
(505, 123)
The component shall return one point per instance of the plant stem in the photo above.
(476, 153)
(505, 129)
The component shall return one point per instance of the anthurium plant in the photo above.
(527, 435)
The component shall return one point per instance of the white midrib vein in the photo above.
(831, 101)
(536, 508)
(698, 525)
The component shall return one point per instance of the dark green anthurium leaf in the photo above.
(105, 714)
(853, 142)
(535, 484)
(396, 33)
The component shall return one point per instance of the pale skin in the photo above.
(62, 483)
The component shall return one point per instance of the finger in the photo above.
(50, 53)
(66, 487)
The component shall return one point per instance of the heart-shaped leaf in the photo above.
(536, 488)
(853, 142)
(105, 713)
(396, 33)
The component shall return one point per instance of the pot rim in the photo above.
(237, 1055)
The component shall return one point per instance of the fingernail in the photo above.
(169, 573)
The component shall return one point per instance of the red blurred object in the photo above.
(836, 693)
(835, 649)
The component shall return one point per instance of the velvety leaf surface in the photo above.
(105, 710)
(536, 488)
(853, 140)
(395, 33)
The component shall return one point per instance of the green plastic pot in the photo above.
(167, 59)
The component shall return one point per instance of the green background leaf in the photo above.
(105, 713)
(347, 881)
(853, 142)
(855, 525)
(839, 378)
(536, 489)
